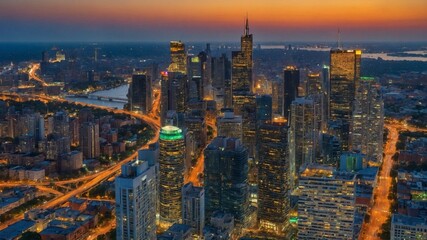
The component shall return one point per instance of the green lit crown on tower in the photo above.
(170, 133)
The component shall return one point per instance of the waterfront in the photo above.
(118, 92)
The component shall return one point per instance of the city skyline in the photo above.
(162, 20)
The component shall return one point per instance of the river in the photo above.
(119, 92)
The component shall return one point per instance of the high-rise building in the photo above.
(193, 207)
(273, 177)
(408, 227)
(229, 125)
(171, 165)
(178, 57)
(291, 79)
(326, 205)
(367, 126)
(242, 65)
(302, 136)
(264, 108)
(245, 105)
(226, 178)
(140, 93)
(136, 200)
(344, 80)
(173, 94)
(89, 140)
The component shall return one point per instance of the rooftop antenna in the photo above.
(247, 24)
(339, 39)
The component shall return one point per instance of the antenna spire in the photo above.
(247, 25)
(339, 39)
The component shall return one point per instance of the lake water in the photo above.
(119, 92)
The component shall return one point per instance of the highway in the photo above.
(380, 211)
(32, 73)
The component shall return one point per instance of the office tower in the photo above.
(140, 93)
(229, 125)
(194, 67)
(344, 80)
(193, 207)
(242, 65)
(173, 94)
(195, 89)
(273, 177)
(302, 136)
(245, 105)
(197, 125)
(136, 197)
(220, 71)
(330, 150)
(264, 108)
(171, 164)
(367, 126)
(326, 205)
(277, 96)
(314, 84)
(226, 173)
(89, 140)
(291, 79)
(178, 57)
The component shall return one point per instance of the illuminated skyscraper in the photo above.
(173, 94)
(193, 207)
(264, 108)
(178, 57)
(302, 136)
(226, 178)
(368, 120)
(291, 81)
(273, 177)
(229, 125)
(245, 105)
(326, 205)
(344, 80)
(140, 93)
(89, 140)
(171, 165)
(242, 65)
(136, 200)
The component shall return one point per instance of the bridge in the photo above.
(101, 98)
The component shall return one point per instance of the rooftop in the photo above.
(171, 133)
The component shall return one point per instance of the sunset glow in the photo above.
(195, 20)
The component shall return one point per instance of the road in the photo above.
(97, 178)
(32, 73)
(380, 211)
(195, 172)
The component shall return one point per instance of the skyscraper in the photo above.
(178, 57)
(229, 125)
(193, 207)
(302, 136)
(291, 79)
(264, 108)
(367, 126)
(242, 65)
(326, 205)
(344, 80)
(136, 200)
(171, 165)
(89, 140)
(226, 178)
(273, 177)
(140, 93)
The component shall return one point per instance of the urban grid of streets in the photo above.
(379, 212)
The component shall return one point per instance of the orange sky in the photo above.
(198, 18)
